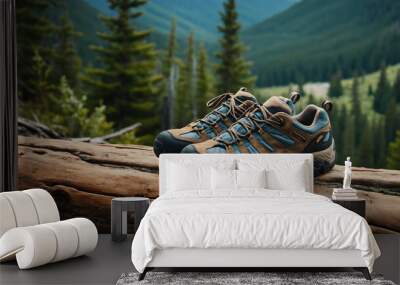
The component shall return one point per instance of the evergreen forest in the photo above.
(88, 68)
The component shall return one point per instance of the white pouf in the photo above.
(45, 206)
(31, 232)
(7, 220)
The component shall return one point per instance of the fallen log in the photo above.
(84, 177)
(379, 187)
(105, 138)
(35, 129)
(31, 128)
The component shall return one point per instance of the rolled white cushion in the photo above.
(23, 208)
(33, 246)
(67, 240)
(26, 208)
(46, 208)
(41, 244)
(7, 218)
(87, 235)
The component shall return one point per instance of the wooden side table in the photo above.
(119, 215)
(356, 205)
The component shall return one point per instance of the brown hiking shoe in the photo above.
(228, 108)
(272, 128)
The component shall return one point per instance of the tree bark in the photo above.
(84, 177)
(379, 187)
(34, 129)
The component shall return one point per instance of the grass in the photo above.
(366, 80)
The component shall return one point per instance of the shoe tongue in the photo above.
(247, 105)
(245, 100)
(277, 104)
(243, 95)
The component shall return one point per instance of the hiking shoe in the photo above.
(271, 128)
(228, 108)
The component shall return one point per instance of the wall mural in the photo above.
(99, 80)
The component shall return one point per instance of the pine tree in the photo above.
(170, 55)
(40, 82)
(66, 60)
(379, 143)
(370, 91)
(392, 117)
(365, 150)
(396, 87)
(393, 160)
(335, 120)
(186, 92)
(127, 82)
(356, 110)
(348, 138)
(204, 89)
(335, 86)
(301, 90)
(233, 71)
(339, 125)
(170, 76)
(34, 35)
(382, 92)
(73, 118)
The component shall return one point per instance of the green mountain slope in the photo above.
(85, 19)
(370, 79)
(311, 39)
(200, 16)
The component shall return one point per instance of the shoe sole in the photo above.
(157, 147)
(324, 160)
(167, 144)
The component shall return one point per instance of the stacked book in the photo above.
(344, 194)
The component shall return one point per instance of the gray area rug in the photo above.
(233, 278)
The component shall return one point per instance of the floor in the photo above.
(103, 266)
(110, 260)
